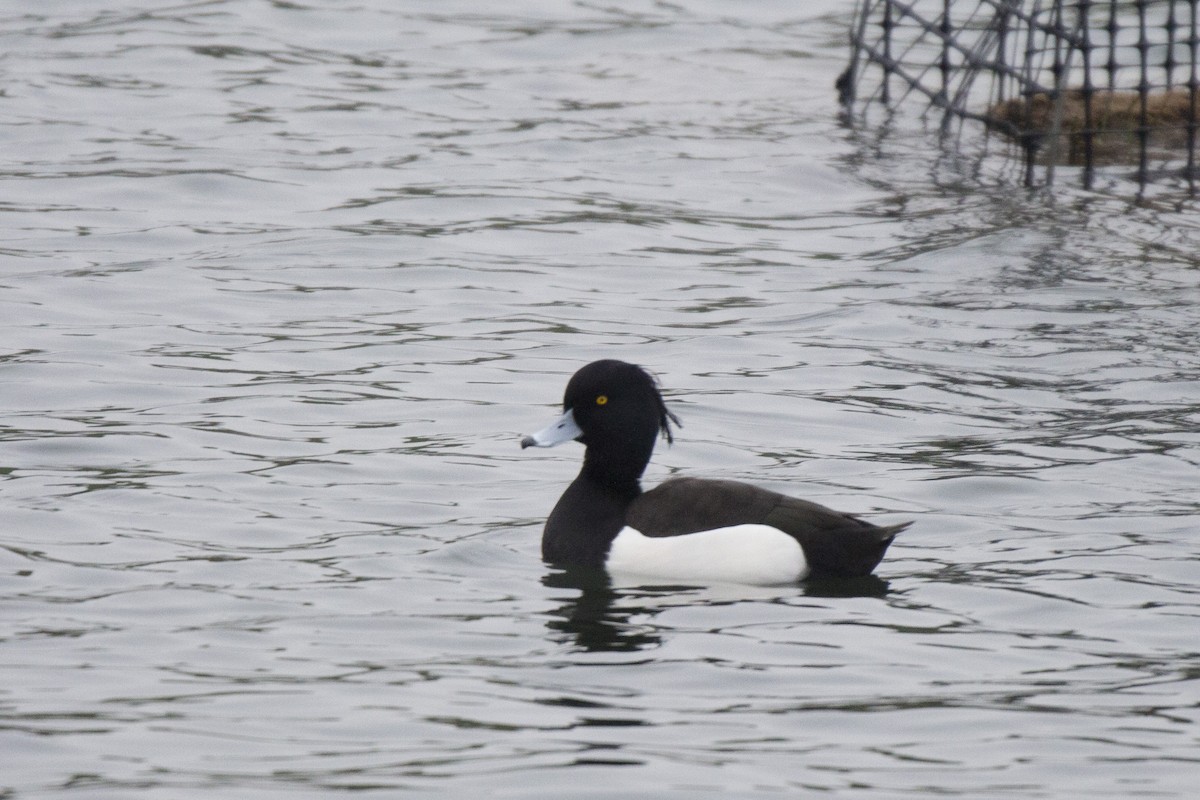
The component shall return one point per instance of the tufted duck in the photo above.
(685, 528)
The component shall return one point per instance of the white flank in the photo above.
(753, 554)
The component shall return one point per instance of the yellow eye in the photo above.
(602, 399)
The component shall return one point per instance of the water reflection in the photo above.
(590, 620)
(865, 586)
(601, 618)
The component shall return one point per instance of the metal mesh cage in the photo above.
(1072, 82)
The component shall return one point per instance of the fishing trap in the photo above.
(1086, 84)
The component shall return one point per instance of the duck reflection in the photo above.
(592, 620)
(864, 586)
(600, 618)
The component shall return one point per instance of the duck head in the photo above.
(616, 411)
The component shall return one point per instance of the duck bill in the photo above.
(563, 429)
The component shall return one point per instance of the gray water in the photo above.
(283, 283)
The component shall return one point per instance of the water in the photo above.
(283, 284)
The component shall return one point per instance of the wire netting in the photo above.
(1085, 83)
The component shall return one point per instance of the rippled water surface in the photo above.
(283, 283)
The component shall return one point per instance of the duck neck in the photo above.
(619, 475)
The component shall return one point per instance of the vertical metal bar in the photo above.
(1087, 91)
(1114, 30)
(887, 24)
(1031, 140)
(1169, 60)
(944, 65)
(1193, 94)
(1143, 128)
(1002, 16)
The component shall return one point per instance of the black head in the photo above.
(614, 400)
(620, 413)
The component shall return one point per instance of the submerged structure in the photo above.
(1084, 83)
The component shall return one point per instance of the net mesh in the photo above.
(1090, 84)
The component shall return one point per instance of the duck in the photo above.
(685, 529)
